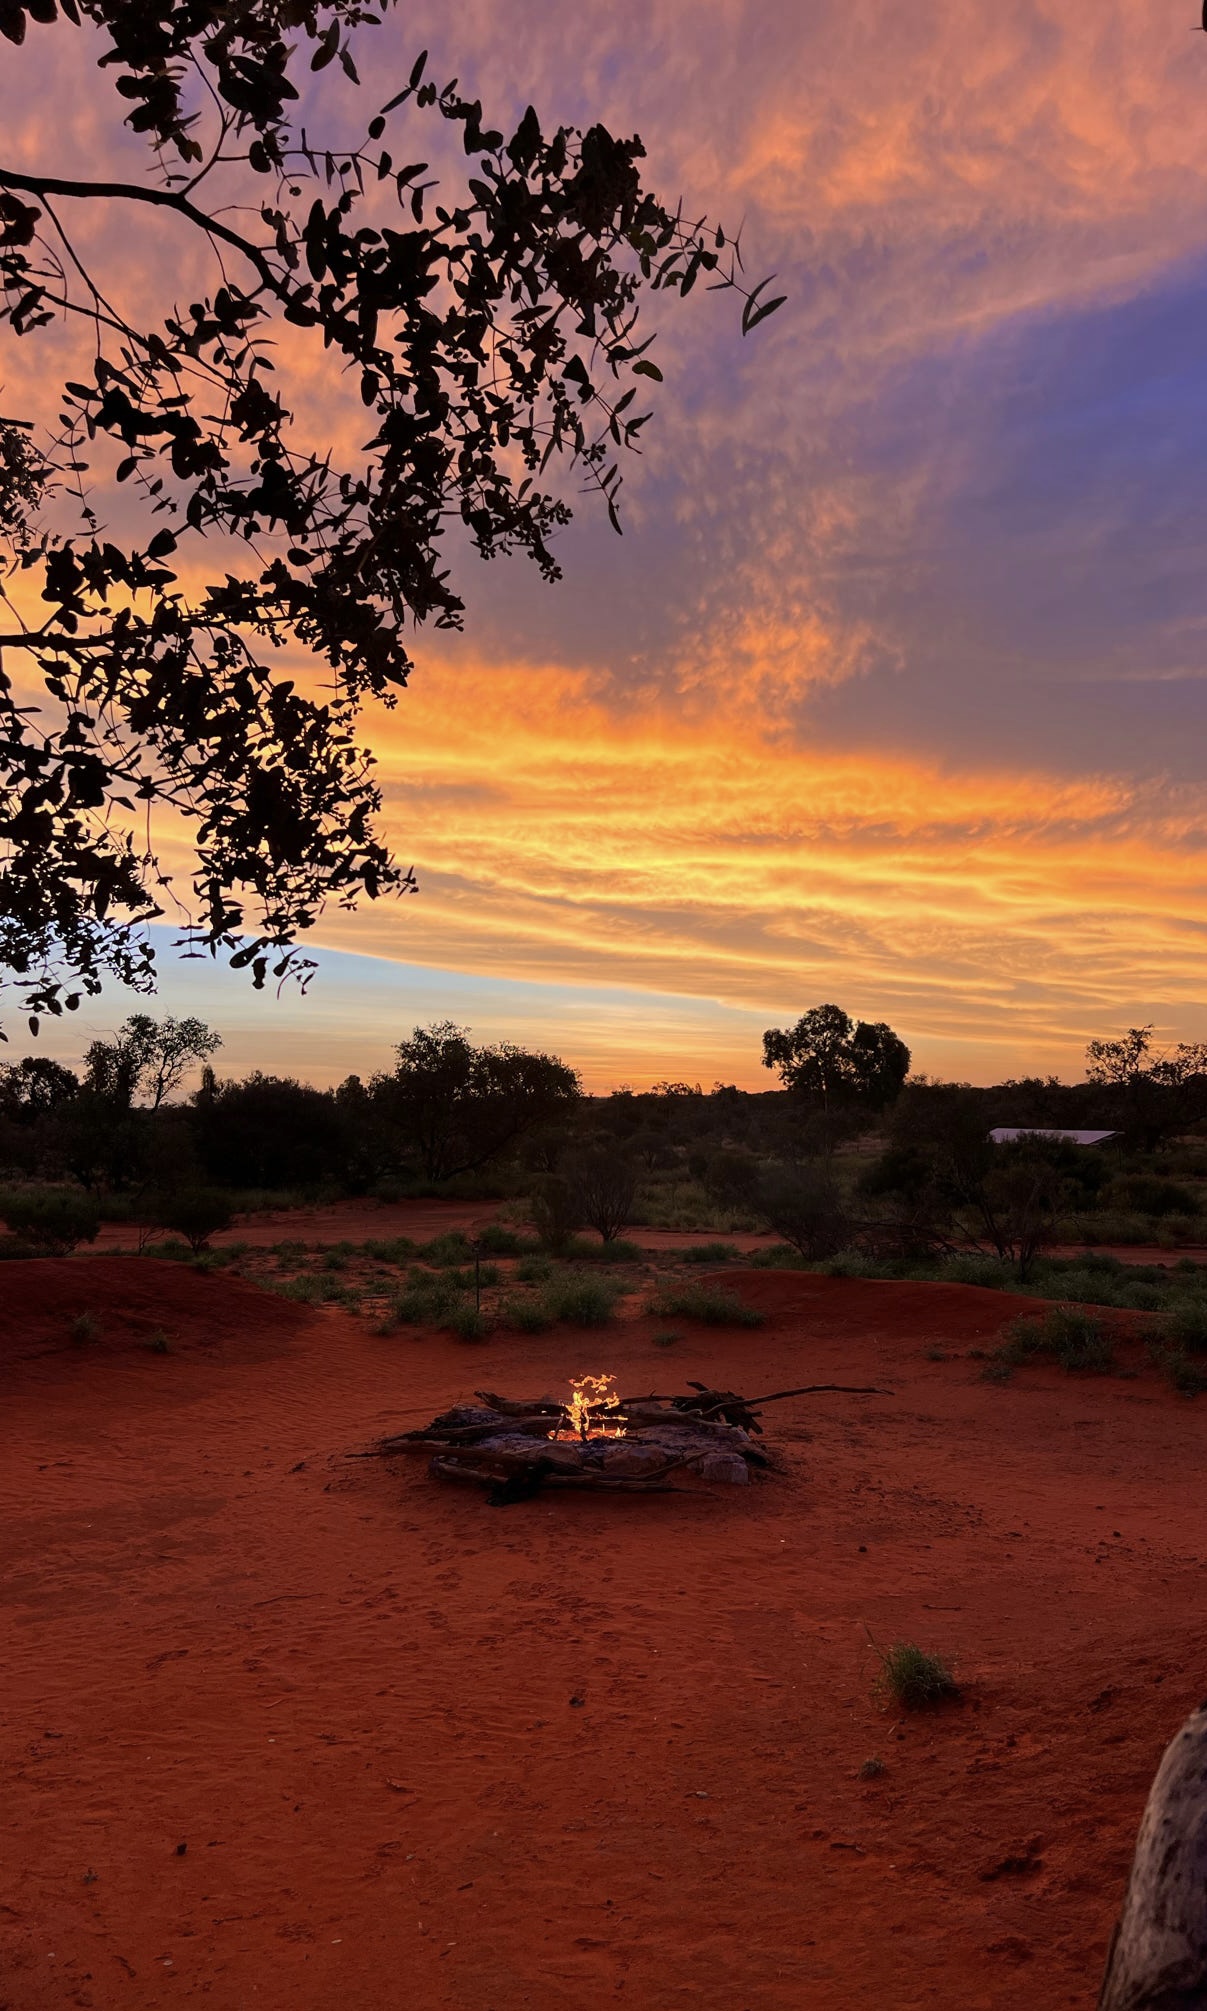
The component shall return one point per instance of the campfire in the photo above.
(598, 1438)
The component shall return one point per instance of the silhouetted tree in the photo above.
(269, 1131)
(833, 1063)
(606, 1186)
(34, 1086)
(458, 1106)
(1153, 1095)
(492, 336)
(147, 1055)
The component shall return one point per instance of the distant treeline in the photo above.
(848, 1152)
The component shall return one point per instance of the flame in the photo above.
(589, 1396)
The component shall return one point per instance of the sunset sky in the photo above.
(893, 691)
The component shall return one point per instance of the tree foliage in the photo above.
(1153, 1093)
(460, 1106)
(147, 1056)
(833, 1062)
(492, 334)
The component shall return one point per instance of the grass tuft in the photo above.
(581, 1302)
(526, 1313)
(1069, 1335)
(714, 1305)
(914, 1679)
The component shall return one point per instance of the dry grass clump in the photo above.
(1072, 1336)
(916, 1680)
(712, 1304)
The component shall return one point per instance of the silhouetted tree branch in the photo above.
(493, 338)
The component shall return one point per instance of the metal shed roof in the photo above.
(1005, 1134)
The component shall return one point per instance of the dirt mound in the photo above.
(867, 1308)
(132, 1299)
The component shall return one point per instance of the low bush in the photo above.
(1184, 1324)
(851, 1264)
(1187, 1376)
(454, 1247)
(526, 1313)
(581, 1302)
(196, 1213)
(390, 1249)
(915, 1679)
(533, 1270)
(712, 1304)
(499, 1241)
(52, 1220)
(777, 1257)
(468, 1323)
(84, 1328)
(709, 1253)
(581, 1250)
(317, 1288)
(425, 1301)
(472, 1276)
(1069, 1335)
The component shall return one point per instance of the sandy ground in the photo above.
(285, 1729)
(357, 1221)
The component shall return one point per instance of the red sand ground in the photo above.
(357, 1221)
(348, 1689)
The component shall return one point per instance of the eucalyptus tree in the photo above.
(491, 328)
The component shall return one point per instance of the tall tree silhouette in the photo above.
(492, 332)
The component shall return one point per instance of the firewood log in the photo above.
(1158, 1955)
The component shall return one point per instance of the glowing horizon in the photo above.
(894, 691)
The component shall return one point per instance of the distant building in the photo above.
(1005, 1134)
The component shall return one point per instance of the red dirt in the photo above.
(348, 1689)
(357, 1221)
(340, 1221)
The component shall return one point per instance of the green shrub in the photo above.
(448, 1250)
(915, 1680)
(975, 1269)
(777, 1257)
(556, 1210)
(710, 1253)
(533, 1270)
(53, 1220)
(84, 1328)
(851, 1264)
(425, 1301)
(315, 1288)
(1184, 1322)
(468, 1323)
(581, 1302)
(581, 1250)
(499, 1241)
(390, 1250)
(1069, 1335)
(468, 1279)
(196, 1213)
(526, 1313)
(667, 1340)
(713, 1304)
(1188, 1377)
